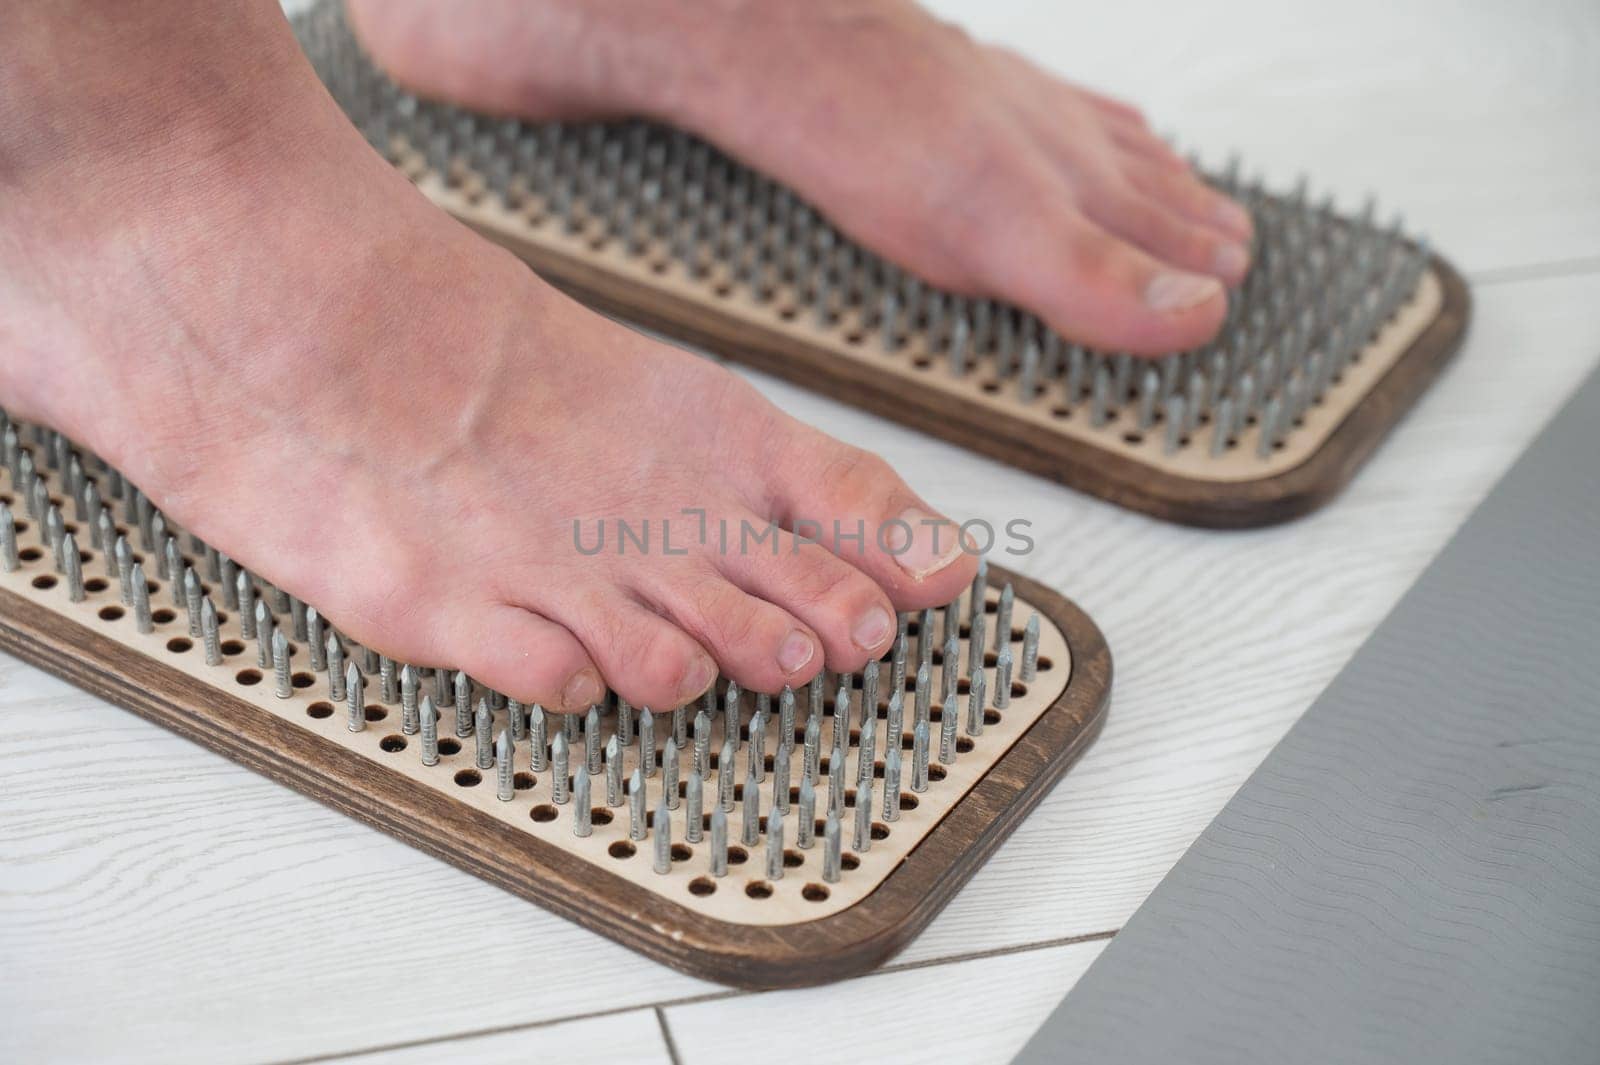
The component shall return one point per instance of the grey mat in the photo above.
(1413, 874)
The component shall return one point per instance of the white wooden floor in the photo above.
(158, 903)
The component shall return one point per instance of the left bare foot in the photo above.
(960, 161)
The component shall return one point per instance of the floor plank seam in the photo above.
(666, 1037)
(1544, 271)
(687, 1000)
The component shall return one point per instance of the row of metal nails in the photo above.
(596, 740)
(1320, 288)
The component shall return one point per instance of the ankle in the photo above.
(89, 90)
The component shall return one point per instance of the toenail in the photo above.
(923, 543)
(797, 650)
(1231, 261)
(698, 679)
(1233, 218)
(873, 629)
(582, 690)
(1176, 291)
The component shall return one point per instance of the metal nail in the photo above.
(669, 772)
(428, 722)
(335, 656)
(636, 798)
(582, 809)
(719, 842)
(559, 778)
(752, 811)
(482, 726)
(355, 699)
(830, 849)
(280, 664)
(536, 738)
(408, 701)
(862, 840)
(775, 848)
(1030, 649)
(505, 786)
(613, 760)
(694, 807)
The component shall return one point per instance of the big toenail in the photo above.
(1176, 291)
(583, 690)
(923, 543)
(697, 679)
(1231, 261)
(872, 629)
(796, 651)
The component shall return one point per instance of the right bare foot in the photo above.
(310, 367)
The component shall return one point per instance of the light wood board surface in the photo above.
(160, 904)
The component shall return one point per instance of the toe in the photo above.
(1185, 194)
(1094, 287)
(758, 644)
(852, 503)
(1156, 228)
(529, 658)
(1147, 147)
(847, 610)
(643, 657)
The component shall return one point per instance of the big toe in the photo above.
(853, 503)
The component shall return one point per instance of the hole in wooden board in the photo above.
(545, 812)
(374, 713)
(525, 780)
(814, 893)
(701, 885)
(302, 680)
(601, 815)
(392, 743)
(111, 613)
(908, 801)
(681, 852)
(849, 860)
(246, 677)
(880, 830)
(449, 745)
(936, 772)
(163, 616)
(30, 554)
(96, 584)
(44, 580)
(758, 889)
(468, 778)
(232, 647)
(737, 855)
(1044, 664)
(319, 710)
(991, 717)
(620, 849)
(793, 859)
(963, 744)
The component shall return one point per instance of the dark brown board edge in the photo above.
(1116, 478)
(831, 948)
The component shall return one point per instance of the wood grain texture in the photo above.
(779, 955)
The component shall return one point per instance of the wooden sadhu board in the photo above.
(746, 926)
(1339, 328)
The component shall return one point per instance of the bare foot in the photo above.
(962, 162)
(310, 367)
